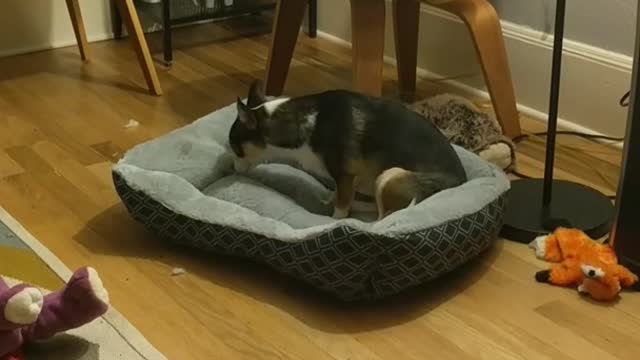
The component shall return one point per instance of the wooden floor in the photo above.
(62, 125)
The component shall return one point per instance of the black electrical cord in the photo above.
(624, 101)
(572, 133)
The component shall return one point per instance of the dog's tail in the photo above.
(397, 188)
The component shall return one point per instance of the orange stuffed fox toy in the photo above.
(582, 262)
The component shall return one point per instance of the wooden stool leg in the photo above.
(78, 28)
(286, 27)
(134, 29)
(367, 24)
(483, 23)
(406, 21)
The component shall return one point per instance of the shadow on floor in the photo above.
(115, 233)
(63, 347)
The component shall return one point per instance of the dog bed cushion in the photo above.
(182, 186)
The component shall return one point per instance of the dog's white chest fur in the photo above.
(304, 156)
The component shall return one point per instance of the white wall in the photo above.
(27, 25)
(607, 24)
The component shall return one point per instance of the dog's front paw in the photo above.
(340, 213)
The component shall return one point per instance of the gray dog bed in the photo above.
(182, 186)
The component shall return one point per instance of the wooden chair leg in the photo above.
(367, 24)
(484, 25)
(78, 28)
(286, 27)
(134, 29)
(406, 21)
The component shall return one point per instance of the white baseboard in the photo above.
(593, 79)
(52, 45)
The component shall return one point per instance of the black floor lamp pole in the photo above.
(538, 206)
(554, 97)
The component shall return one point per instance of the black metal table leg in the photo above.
(116, 20)
(313, 18)
(223, 12)
(625, 235)
(166, 32)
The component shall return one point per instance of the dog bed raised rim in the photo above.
(182, 186)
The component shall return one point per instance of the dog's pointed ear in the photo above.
(245, 115)
(256, 94)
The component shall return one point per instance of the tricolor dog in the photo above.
(368, 145)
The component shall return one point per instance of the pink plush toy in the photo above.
(26, 315)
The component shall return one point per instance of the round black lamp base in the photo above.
(572, 205)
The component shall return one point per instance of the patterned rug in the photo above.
(110, 337)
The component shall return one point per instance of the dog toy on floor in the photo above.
(582, 262)
(28, 315)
